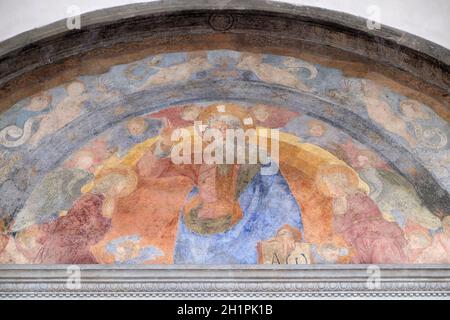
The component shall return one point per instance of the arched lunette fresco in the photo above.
(332, 108)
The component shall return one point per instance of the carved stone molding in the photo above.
(224, 282)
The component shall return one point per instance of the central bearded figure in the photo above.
(231, 207)
(215, 213)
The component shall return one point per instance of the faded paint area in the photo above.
(86, 175)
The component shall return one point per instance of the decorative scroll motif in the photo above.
(13, 136)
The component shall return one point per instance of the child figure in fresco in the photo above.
(180, 72)
(65, 111)
(358, 219)
(381, 112)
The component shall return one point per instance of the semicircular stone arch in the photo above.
(88, 117)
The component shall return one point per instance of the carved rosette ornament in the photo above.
(221, 22)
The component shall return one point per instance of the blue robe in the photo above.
(267, 204)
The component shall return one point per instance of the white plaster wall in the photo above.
(429, 19)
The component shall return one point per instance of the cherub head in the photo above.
(290, 233)
(116, 183)
(316, 128)
(75, 88)
(260, 113)
(366, 159)
(197, 57)
(412, 110)
(137, 126)
(127, 250)
(190, 113)
(224, 122)
(419, 240)
(418, 237)
(39, 102)
(84, 160)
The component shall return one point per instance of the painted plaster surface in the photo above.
(86, 175)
